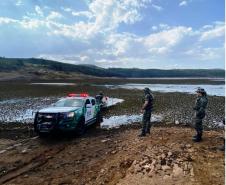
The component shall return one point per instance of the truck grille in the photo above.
(47, 117)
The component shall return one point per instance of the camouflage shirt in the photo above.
(149, 98)
(200, 106)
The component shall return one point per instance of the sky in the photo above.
(163, 34)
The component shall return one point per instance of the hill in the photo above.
(32, 67)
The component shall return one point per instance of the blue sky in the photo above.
(162, 34)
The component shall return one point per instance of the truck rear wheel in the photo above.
(99, 119)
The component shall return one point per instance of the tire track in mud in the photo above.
(16, 144)
(35, 162)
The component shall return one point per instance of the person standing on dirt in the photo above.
(146, 110)
(200, 106)
(99, 97)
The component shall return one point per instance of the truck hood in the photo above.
(58, 109)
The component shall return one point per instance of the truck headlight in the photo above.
(70, 114)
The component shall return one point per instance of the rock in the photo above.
(152, 167)
(159, 157)
(166, 177)
(169, 154)
(191, 150)
(2, 151)
(165, 168)
(151, 174)
(26, 176)
(158, 167)
(104, 140)
(147, 167)
(177, 171)
(137, 168)
(102, 170)
(192, 172)
(113, 152)
(143, 162)
(131, 169)
(153, 162)
(163, 156)
(168, 172)
(188, 146)
(134, 163)
(24, 151)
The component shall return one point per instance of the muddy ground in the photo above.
(117, 156)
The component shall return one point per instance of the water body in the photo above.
(214, 90)
(54, 84)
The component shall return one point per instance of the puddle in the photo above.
(113, 101)
(117, 121)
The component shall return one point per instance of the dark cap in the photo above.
(200, 90)
(147, 90)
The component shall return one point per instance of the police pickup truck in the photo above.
(72, 113)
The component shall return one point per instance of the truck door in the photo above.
(93, 102)
(88, 107)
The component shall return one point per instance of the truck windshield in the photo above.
(69, 103)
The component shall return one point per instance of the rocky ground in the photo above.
(117, 156)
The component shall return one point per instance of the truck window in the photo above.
(87, 101)
(93, 102)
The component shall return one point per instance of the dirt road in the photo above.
(167, 156)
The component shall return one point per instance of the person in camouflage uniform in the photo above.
(146, 110)
(200, 106)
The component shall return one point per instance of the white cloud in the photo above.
(206, 54)
(7, 20)
(213, 32)
(106, 17)
(83, 13)
(157, 7)
(19, 3)
(183, 3)
(162, 42)
(164, 26)
(38, 10)
(31, 23)
(67, 9)
(54, 15)
(154, 28)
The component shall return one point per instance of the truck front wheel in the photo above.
(81, 128)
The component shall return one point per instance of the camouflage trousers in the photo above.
(146, 121)
(198, 126)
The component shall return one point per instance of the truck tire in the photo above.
(81, 127)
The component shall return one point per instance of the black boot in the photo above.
(198, 138)
(142, 134)
(194, 137)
